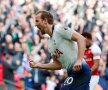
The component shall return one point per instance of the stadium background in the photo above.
(18, 36)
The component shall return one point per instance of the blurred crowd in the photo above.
(19, 37)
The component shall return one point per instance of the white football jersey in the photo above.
(62, 46)
(95, 49)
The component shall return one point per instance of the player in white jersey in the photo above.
(65, 52)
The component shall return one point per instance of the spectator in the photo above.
(9, 71)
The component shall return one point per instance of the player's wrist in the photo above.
(37, 65)
(79, 60)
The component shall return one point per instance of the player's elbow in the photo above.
(96, 63)
(56, 64)
(59, 67)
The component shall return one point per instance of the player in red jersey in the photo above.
(92, 57)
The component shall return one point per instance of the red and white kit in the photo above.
(91, 54)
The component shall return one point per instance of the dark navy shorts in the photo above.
(78, 80)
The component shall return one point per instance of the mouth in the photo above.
(41, 30)
(37, 27)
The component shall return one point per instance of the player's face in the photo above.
(40, 23)
(88, 43)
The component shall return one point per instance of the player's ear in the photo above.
(45, 21)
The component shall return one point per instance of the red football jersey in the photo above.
(91, 54)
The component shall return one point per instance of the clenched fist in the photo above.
(31, 62)
(77, 65)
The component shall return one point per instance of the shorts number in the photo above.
(68, 81)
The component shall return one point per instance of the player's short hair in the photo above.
(87, 35)
(47, 15)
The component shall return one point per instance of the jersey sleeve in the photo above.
(65, 32)
(96, 52)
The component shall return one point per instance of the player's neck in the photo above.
(49, 30)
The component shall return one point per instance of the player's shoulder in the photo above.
(95, 48)
(61, 28)
(57, 28)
